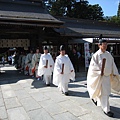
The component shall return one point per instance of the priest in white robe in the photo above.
(45, 67)
(35, 63)
(98, 79)
(28, 64)
(63, 71)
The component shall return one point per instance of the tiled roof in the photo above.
(31, 12)
(27, 16)
(89, 28)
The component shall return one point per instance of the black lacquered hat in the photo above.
(62, 47)
(45, 48)
(102, 41)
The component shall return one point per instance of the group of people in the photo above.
(28, 63)
(43, 66)
(101, 68)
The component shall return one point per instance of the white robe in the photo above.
(95, 82)
(99, 87)
(41, 69)
(67, 74)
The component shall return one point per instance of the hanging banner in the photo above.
(86, 49)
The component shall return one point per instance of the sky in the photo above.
(109, 7)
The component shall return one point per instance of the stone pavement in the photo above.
(23, 98)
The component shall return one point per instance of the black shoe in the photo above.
(94, 102)
(47, 84)
(66, 93)
(109, 114)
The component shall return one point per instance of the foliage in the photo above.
(62, 8)
(115, 19)
(75, 9)
(95, 12)
(80, 9)
(118, 12)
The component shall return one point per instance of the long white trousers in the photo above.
(63, 84)
(103, 100)
(47, 79)
(64, 87)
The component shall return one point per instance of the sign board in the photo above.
(86, 49)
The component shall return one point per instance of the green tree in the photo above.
(48, 4)
(118, 12)
(95, 12)
(115, 19)
(62, 7)
(80, 9)
(58, 9)
(86, 11)
(75, 9)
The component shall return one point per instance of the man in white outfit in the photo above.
(98, 79)
(45, 67)
(63, 71)
(35, 63)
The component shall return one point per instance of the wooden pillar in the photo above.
(93, 47)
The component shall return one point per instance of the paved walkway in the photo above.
(23, 98)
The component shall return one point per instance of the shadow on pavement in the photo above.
(39, 84)
(76, 86)
(115, 96)
(11, 76)
(116, 111)
(78, 94)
